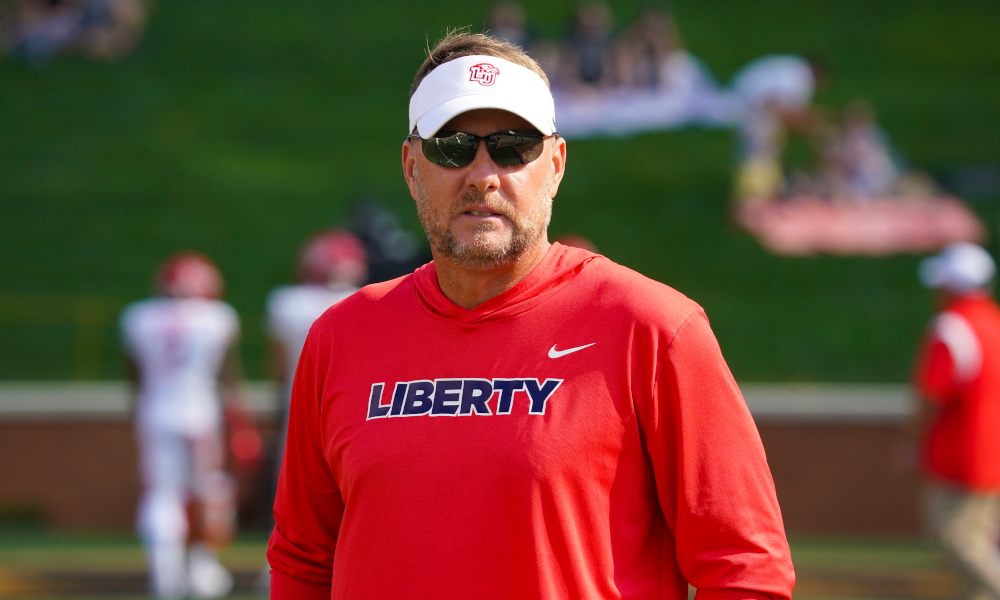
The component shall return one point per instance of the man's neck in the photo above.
(469, 288)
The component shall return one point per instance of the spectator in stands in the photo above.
(508, 22)
(111, 29)
(647, 82)
(862, 162)
(644, 54)
(36, 31)
(774, 95)
(958, 374)
(591, 45)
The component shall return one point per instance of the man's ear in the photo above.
(558, 162)
(410, 167)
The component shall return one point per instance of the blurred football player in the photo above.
(181, 349)
(333, 264)
(959, 375)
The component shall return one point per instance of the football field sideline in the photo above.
(41, 566)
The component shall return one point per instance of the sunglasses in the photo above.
(506, 148)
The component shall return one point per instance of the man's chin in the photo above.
(480, 254)
(490, 240)
(482, 250)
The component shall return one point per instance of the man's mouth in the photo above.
(480, 210)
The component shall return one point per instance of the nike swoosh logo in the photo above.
(553, 353)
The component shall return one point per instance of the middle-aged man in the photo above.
(958, 373)
(516, 419)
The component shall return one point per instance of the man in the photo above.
(516, 419)
(958, 374)
(332, 265)
(181, 347)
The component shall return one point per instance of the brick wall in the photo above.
(839, 457)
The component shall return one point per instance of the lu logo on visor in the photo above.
(483, 73)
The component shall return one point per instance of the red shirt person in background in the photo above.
(958, 374)
(517, 419)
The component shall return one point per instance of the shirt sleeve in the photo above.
(935, 375)
(712, 478)
(309, 507)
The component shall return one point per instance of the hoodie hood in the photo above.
(558, 268)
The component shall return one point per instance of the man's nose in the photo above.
(483, 172)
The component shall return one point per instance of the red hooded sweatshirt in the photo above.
(578, 436)
(959, 370)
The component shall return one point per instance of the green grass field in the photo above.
(43, 566)
(242, 125)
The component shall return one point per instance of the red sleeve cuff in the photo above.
(284, 587)
(726, 594)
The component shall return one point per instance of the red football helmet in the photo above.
(189, 275)
(333, 256)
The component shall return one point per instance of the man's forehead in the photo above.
(484, 121)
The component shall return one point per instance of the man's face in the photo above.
(483, 216)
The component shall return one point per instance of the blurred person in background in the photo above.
(591, 48)
(509, 22)
(855, 161)
(181, 347)
(647, 82)
(390, 250)
(866, 166)
(332, 266)
(652, 56)
(36, 31)
(958, 374)
(645, 53)
(862, 163)
(111, 29)
(773, 95)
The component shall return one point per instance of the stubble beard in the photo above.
(484, 253)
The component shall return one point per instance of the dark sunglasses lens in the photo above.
(513, 149)
(452, 151)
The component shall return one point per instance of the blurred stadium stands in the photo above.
(236, 129)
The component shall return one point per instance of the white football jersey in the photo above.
(291, 311)
(178, 346)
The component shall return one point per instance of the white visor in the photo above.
(473, 82)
